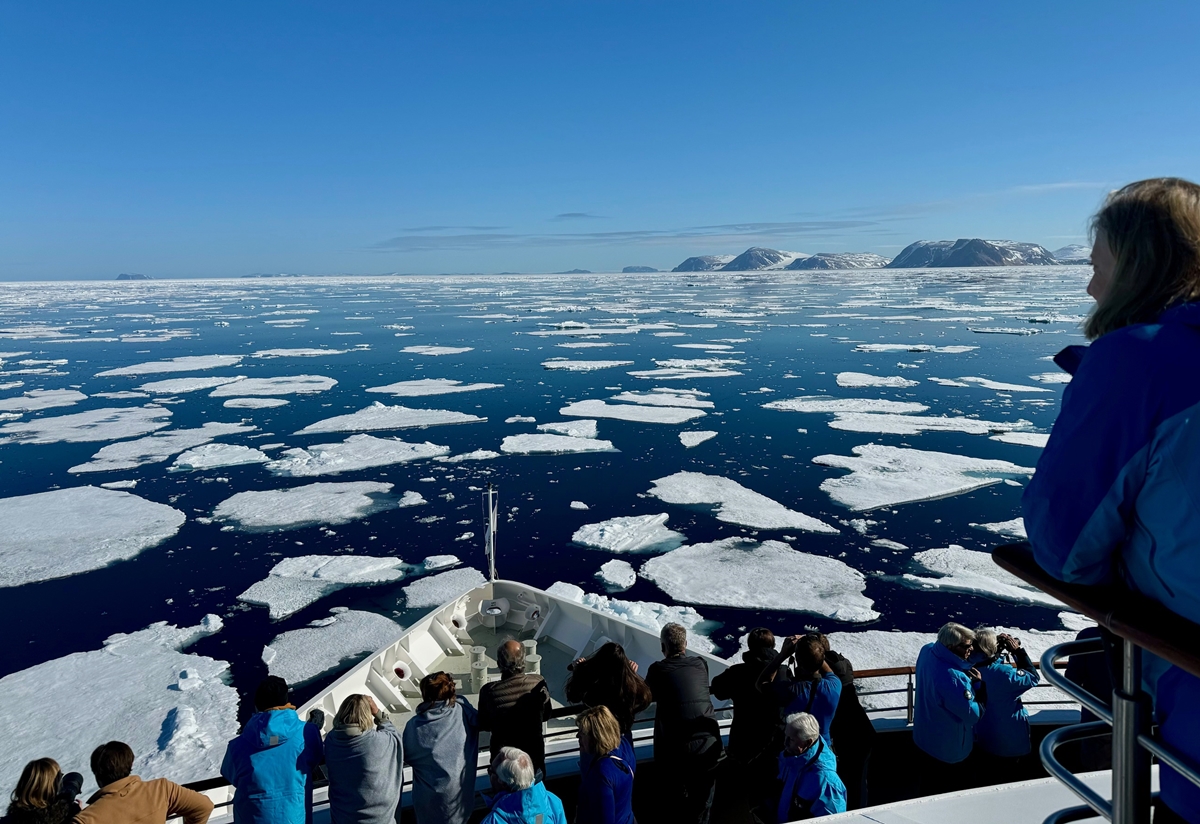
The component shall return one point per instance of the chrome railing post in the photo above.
(1131, 763)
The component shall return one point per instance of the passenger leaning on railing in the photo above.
(606, 769)
(611, 680)
(948, 703)
(364, 761)
(441, 744)
(852, 732)
(814, 688)
(44, 795)
(514, 707)
(124, 798)
(1003, 731)
(1116, 495)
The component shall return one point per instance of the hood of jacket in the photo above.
(762, 657)
(271, 728)
(523, 805)
(436, 709)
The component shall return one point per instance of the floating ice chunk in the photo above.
(1038, 439)
(578, 505)
(587, 344)
(565, 365)
(646, 614)
(379, 416)
(1075, 622)
(912, 347)
(999, 386)
(476, 455)
(631, 412)
(816, 403)
(1051, 377)
(916, 424)
(661, 396)
(958, 569)
(1009, 529)
(552, 445)
(332, 643)
(949, 382)
(617, 575)
(861, 379)
(411, 498)
(255, 403)
(130, 484)
(884, 543)
(176, 733)
(889, 475)
(355, 453)
(683, 374)
(188, 363)
(734, 503)
(520, 419)
(442, 588)
(288, 385)
(466, 536)
(437, 350)
(297, 353)
(214, 455)
(1003, 330)
(174, 386)
(66, 532)
(440, 562)
(696, 437)
(630, 533)
(294, 583)
(319, 503)
(431, 386)
(156, 448)
(85, 427)
(120, 396)
(37, 399)
(576, 429)
(739, 572)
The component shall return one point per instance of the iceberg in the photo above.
(630, 533)
(576, 429)
(957, 569)
(631, 412)
(861, 379)
(733, 502)
(355, 453)
(430, 386)
(215, 455)
(85, 427)
(156, 448)
(294, 583)
(890, 475)
(289, 385)
(646, 614)
(317, 503)
(188, 363)
(70, 531)
(302, 655)
(617, 575)
(817, 403)
(552, 445)
(442, 588)
(38, 399)
(696, 437)
(378, 416)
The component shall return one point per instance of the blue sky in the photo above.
(223, 138)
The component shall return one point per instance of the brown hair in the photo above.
(607, 679)
(810, 655)
(599, 726)
(760, 638)
(355, 711)
(37, 786)
(1153, 230)
(111, 762)
(438, 686)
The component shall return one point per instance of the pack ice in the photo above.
(739, 572)
(441, 588)
(156, 448)
(630, 533)
(37, 399)
(175, 386)
(890, 475)
(66, 532)
(254, 403)
(174, 709)
(328, 644)
(354, 453)
(565, 365)
(215, 455)
(957, 569)
(319, 503)
(431, 386)
(665, 396)
(188, 363)
(916, 424)
(734, 503)
(437, 350)
(379, 416)
(576, 429)
(288, 385)
(861, 379)
(817, 403)
(108, 424)
(646, 614)
(631, 412)
(552, 445)
(294, 583)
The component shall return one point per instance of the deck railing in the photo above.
(1141, 625)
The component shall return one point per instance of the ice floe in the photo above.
(411, 498)
(379, 416)
(288, 385)
(617, 575)
(175, 386)
(580, 505)
(674, 369)
(957, 569)
(301, 655)
(646, 614)
(474, 455)
(1009, 529)
(176, 711)
(318, 503)
(108, 424)
(1051, 377)
(1038, 439)
(666, 396)
(889, 475)
(520, 419)
(156, 448)
(437, 350)
(861, 379)
(630, 533)
(696, 437)
(69, 531)
(430, 386)
(297, 353)
(739, 572)
(565, 365)
(294, 583)
(987, 383)
(916, 424)
(130, 484)
(214, 455)
(37, 399)
(255, 403)
(733, 502)
(912, 347)
(552, 445)
(576, 429)
(439, 589)
(1004, 330)
(631, 412)
(187, 363)
(819, 403)
(440, 562)
(355, 453)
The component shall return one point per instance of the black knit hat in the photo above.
(272, 692)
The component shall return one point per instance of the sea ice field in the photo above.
(204, 481)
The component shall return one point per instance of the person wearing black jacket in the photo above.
(852, 732)
(687, 739)
(44, 795)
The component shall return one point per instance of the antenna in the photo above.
(490, 503)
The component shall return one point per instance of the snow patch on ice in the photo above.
(734, 503)
(318, 503)
(630, 533)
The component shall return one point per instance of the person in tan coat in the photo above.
(127, 799)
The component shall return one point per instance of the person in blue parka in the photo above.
(520, 797)
(811, 787)
(814, 688)
(270, 764)
(606, 768)
(1116, 495)
(949, 701)
(1003, 731)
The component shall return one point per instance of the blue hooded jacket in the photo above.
(270, 766)
(1004, 728)
(945, 709)
(524, 807)
(819, 698)
(606, 786)
(811, 786)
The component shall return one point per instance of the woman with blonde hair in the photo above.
(1116, 495)
(364, 759)
(44, 795)
(606, 769)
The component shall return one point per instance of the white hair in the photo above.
(986, 642)
(514, 768)
(952, 634)
(802, 727)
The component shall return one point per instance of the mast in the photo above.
(490, 502)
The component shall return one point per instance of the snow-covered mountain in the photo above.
(703, 263)
(971, 252)
(840, 260)
(757, 258)
(1075, 253)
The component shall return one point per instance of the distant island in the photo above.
(133, 276)
(964, 252)
(574, 272)
(629, 270)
